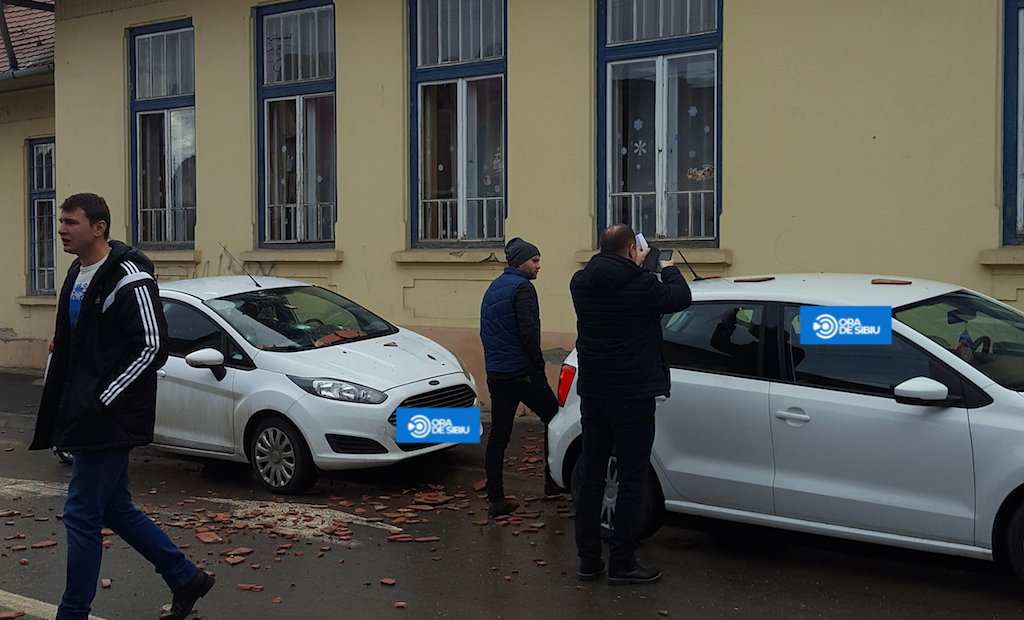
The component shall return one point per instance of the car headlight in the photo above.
(335, 389)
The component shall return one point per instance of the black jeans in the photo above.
(629, 427)
(506, 394)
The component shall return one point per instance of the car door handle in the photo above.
(161, 373)
(792, 415)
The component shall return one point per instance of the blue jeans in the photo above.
(98, 497)
(628, 426)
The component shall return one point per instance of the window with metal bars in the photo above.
(42, 227)
(458, 123)
(297, 112)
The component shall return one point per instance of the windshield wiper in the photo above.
(283, 347)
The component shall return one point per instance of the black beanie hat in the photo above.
(518, 252)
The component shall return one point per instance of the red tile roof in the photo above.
(31, 34)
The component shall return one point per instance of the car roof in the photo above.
(212, 288)
(823, 289)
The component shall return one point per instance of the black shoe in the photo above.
(185, 597)
(591, 573)
(636, 576)
(552, 490)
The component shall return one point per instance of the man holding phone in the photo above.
(621, 371)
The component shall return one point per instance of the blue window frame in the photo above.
(296, 127)
(1013, 122)
(163, 134)
(42, 207)
(457, 122)
(659, 65)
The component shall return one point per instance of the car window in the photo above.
(714, 337)
(986, 335)
(188, 330)
(869, 369)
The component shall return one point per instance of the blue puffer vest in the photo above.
(499, 330)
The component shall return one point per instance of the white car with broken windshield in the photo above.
(293, 378)
(917, 444)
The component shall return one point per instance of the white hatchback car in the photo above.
(293, 378)
(917, 444)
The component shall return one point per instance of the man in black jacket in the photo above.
(510, 332)
(99, 402)
(621, 371)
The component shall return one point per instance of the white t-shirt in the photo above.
(85, 276)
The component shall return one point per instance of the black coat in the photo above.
(100, 390)
(618, 312)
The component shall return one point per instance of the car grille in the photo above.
(412, 447)
(449, 397)
(344, 444)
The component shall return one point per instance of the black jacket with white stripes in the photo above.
(101, 386)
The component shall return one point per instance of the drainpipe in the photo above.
(19, 74)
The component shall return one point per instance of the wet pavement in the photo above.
(324, 554)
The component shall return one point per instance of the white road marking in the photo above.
(31, 607)
(13, 487)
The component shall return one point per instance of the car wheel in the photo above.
(652, 510)
(65, 457)
(1014, 553)
(280, 457)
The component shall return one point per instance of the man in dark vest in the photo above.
(621, 371)
(510, 332)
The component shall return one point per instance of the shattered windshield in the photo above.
(985, 334)
(298, 318)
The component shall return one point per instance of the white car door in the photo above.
(194, 408)
(848, 454)
(713, 438)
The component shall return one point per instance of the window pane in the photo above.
(282, 160)
(171, 64)
(289, 47)
(449, 16)
(719, 338)
(158, 64)
(143, 68)
(871, 369)
(648, 19)
(692, 155)
(307, 45)
(183, 170)
(427, 32)
(272, 49)
(470, 12)
(152, 158)
(439, 141)
(620, 19)
(42, 167)
(643, 20)
(319, 169)
(493, 27)
(632, 142)
(325, 42)
(187, 64)
(484, 156)
(703, 16)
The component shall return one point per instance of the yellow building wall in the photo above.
(857, 137)
(26, 323)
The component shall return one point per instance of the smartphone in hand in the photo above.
(641, 242)
(665, 255)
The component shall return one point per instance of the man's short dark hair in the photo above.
(617, 239)
(94, 206)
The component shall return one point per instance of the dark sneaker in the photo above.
(552, 490)
(185, 598)
(504, 507)
(589, 572)
(638, 575)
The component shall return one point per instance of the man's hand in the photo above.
(641, 255)
(667, 263)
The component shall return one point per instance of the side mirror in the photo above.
(921, 391)
(208, 358)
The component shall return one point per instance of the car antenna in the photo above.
(239, 264)
(695, 276)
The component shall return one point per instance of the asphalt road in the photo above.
(520, 570)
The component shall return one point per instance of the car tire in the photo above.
(1014, 551)
(652, 510)
(280, 457)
